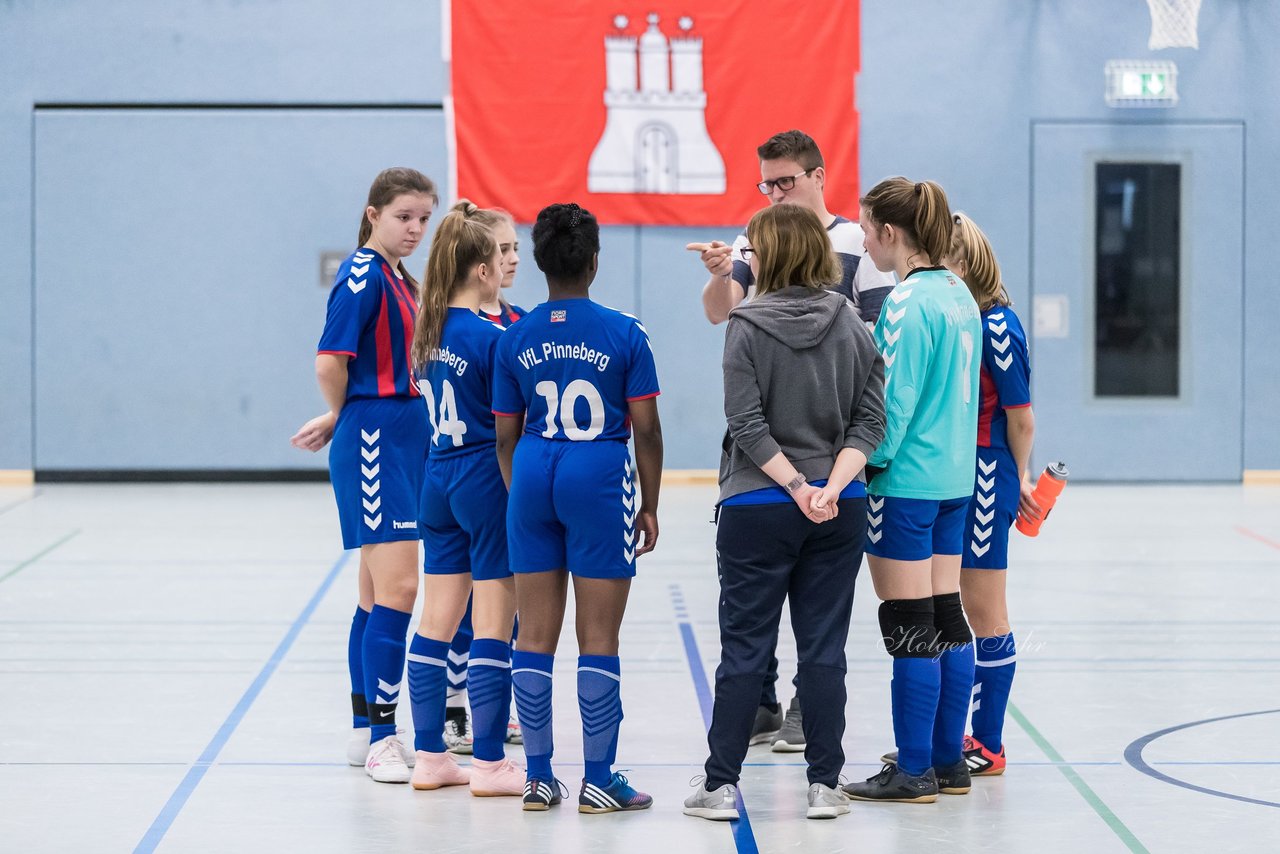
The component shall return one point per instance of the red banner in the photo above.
(647, 112)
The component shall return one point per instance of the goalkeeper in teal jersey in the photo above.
(930, 336)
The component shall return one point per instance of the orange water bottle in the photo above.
(1047, 490)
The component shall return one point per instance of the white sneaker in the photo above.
(716, 805)
(385, 763)
(358, 747)
(515, 735)
(457, 731)
(826, 802)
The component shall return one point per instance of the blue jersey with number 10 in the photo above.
(456, 383)
(572, 366)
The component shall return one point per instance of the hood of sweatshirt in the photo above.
(799, 317)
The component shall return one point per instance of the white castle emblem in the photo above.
(655, 137)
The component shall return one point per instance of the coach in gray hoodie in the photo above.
(804, 400)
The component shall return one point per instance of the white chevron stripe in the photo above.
(889, 359)
(1000, 344)
(985, 500)
(373, 522)
(973, 547)
(998, 328)
(372, 506)
(371, 489)
(974, 706)
(356, 287)
(458, 657)
(629, 537)
(981, 534)
(359, 271)
(626, 486)
(891, 338)
(371, 473)
(999, 662)
(985, 485)
(875, 503)
(1005, 362)
(999, 315)
(630, 520)
(874, 521)
(874, 536)
(388, 688)
(628, 501)
(984, 518)
(370, 438)
(987, 468)
(894, 316)
(630, 555)
(370, 456)
(898, 296)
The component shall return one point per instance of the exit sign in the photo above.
(1141, 83)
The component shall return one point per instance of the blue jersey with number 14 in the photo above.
(572, 366)
(456, 383)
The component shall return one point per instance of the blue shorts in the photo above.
(573, 506)
(464, 516)
(991, 511)
(375, 466)
(915, 528)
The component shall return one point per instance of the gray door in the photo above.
(1137, 282)
(178, 287)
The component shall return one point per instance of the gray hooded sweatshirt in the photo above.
(802, 376)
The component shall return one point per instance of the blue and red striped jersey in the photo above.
(509, 315)
(571, 367)
(1006, 374)
(370, 318)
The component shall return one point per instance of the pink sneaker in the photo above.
(433, 770)
(496, 779)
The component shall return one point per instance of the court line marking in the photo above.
(1133, 755)
(26, 563)
(1091, 797)
(743, 837)
(169, 812)
(1255, 536)
(19, 502)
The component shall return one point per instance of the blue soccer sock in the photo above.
(426, 692)
(531, 681)
(490, 691)
(915, 689)
(600, 703)
(383, 658)
(956, 686)
(459, 652)
(992, 680)
(355, 667)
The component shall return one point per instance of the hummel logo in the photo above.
(356, 287)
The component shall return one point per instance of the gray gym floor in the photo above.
(174, 679)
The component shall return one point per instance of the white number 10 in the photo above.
(565, 403)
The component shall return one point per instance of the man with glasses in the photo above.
(792, 172)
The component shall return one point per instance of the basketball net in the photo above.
(1173, 24)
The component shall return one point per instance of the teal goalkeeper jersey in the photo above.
(930, 335)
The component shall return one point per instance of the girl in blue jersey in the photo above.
(495, 307)
(927, 334)
(379, 434)
(463, 512)
(1006, 428)
(572, 380)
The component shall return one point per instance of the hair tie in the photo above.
(575, 215)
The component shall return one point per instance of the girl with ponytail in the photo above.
(463, 511)
(928, 334)
(366, 378)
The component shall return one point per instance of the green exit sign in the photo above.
(1141, 83)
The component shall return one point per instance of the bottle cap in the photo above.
(1057, 471)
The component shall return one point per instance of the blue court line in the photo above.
(196, 773)
(1133, 755)
(743, 837)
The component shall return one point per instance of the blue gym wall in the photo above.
(160, 301)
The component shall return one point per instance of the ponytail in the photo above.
(919, 210)
(461, 243)
(982, 271)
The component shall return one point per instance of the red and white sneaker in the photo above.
(982, 762)
(436, 770)
(490, 779)
(385, 762)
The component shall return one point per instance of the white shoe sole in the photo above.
(826, 812)
(390, 775)
(787, 747)
(712, 814)
(763, 737)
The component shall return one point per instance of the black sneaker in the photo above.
(953, 779)
(892, 785)
(542, 795)
(790, 738)
(768, 722)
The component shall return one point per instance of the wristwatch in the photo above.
(795, 483)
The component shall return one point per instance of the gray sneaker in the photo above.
(826, 802)
(766, 725)
(790, 738)
(716, 805)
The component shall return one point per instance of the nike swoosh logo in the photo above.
(386, 714)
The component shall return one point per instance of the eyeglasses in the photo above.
(785, 183)
(746, 252)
